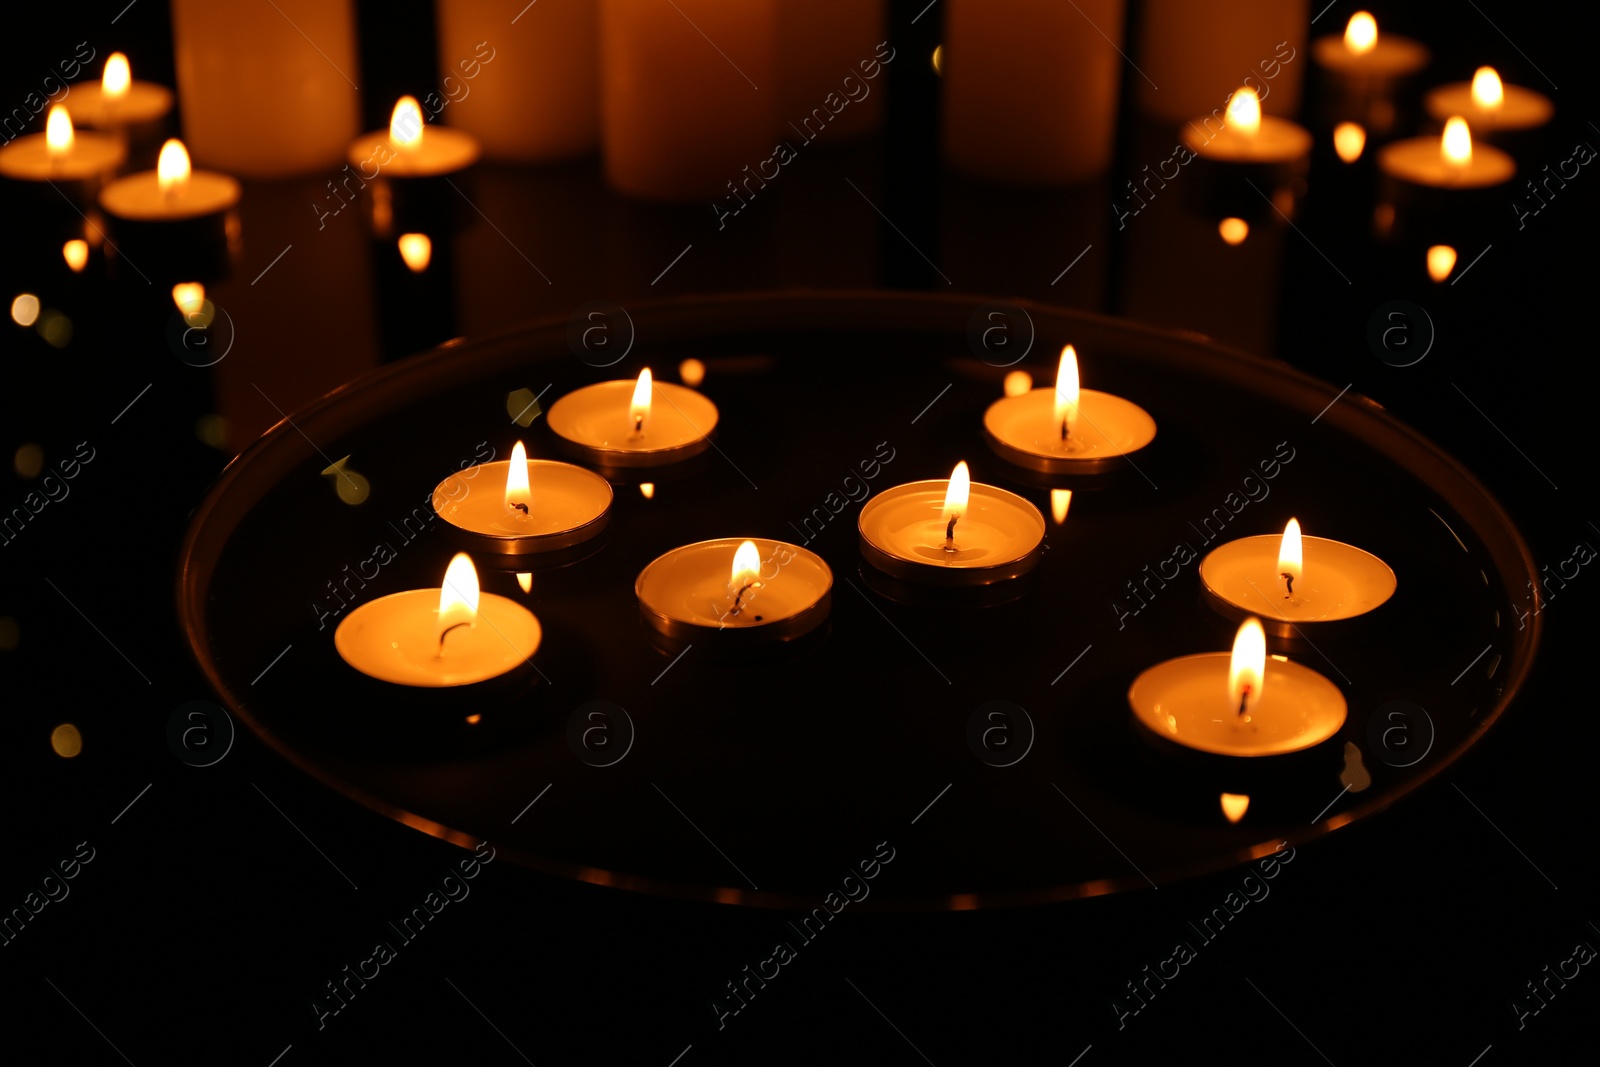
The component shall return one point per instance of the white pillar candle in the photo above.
(267, 90)
(522, 78)
(1196, 52)
(688, 94)
(1030, 89)
(822, 45)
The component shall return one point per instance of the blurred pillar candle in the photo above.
(688, 94)
(1199, 51)
(1030, 89)
(522, 78)
(825, 47)
(267, 90)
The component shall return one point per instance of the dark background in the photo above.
(205, 922)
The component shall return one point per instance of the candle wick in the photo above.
(1063, 429)
(1244, 698)
(521, 507)
(737, 597)
(446, 633)
(950, 531)
(1288, 581)
(638, 424)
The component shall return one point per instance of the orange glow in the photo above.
(416, 250)
(458, 596)
(746, 565)
(1018, 382)
(58, 136)
(1487, 92)
(1456, 144)
(1441, 261)
(955, 497)
(1247, 666)
(474, 719)
(66, 740)
(76, 253)
(405, 124)
(1234, 805)
(1066, 407)
(517, 489)
(692, 372)
(1060, 501)
(172, 168)
(24, 309)
(1244, 112)
(647, 489)
(1361, 33)
(1349, 140)
(1233, 230)
(190, 297)
(525, 580)
(115, 81)
(639, 409)
(1290, 565)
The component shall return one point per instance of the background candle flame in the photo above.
(189, 296)
(639, 409)
(458, 596)
(1361, 33)
(517, 488)
(1060, 501)
(746, 565)
(1441, 261)
(405, 123)
(1018, 382)
(76, 253)
(1456, 144)
(1233, 230)
(1244, 111)
(1234, 805)
(172, 168)
(1349, 140)
(1066, 407)
(693, 372)
(525, 580)
(1248, 665)
(1289, 554)
(955, 497)
(117, 77)
(417, 250)
(58, 135)
(1487, 91)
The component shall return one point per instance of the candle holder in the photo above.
(567, 511)
(76, 163)
(1241, 579)
(417, 171)
(697, 595)
(1363, 73)
(181, 227)
(1434, 199)
(1249, 165)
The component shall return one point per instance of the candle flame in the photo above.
(172, 168)
(1018, 382)
(647, 490)
(1290, 558)
(1066, 407)
(190, 297)
(58, 136)
(1247, 666)
(525, 580)
(1487, 91)
(955, 497)
(416, 250)
(639, 409)
(1244, 111)
(1234, 805)
(1441, 261)
(1456, 144)
(405, 124)
(746, 565)
(693, 372)
(1060, 501)
(517, 489)
(1233, 230)
(117, 77)
(1349, 139)
(1361, 34)
(458, 596)
(76, 253)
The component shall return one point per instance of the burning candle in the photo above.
(1248, 137)
(439, 638)
(522, 507)
(735, 592)
(411, 149)
(1489, 105)
(174, 220)
(1293, 580)
(61, 154)
(642, 423)
(1066, 429)
(1238, 704)
(1450, 161)
(119, 102)
(1363, 68)
(951, 532)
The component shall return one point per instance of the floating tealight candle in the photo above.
(951, 533)
(1291, 580)
(411, 149)
(521, 507)
(1065, 429)
(1238, 704)
(439, 638)
(733, 593)
(1450, 161)
(1490, 106)
(642, 423)
(61, 154)
(1248, 137)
